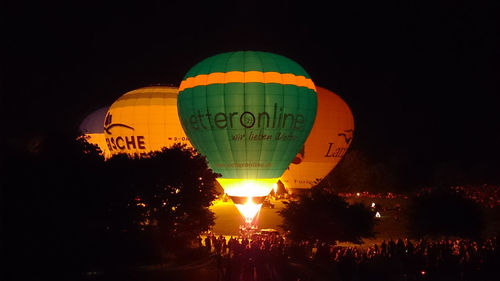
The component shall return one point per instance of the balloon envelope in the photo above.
(325, 146)
(249, 113)
(144, 120)
(92, 128)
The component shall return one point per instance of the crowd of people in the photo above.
(269, 258)
(406, 260)
(365, 194)
(486, 195)
(274, 257)
(242, 259)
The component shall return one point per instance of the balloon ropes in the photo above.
(325, 146)
(249, 113)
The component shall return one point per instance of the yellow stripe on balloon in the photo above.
(246, 77)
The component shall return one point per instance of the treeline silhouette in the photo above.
(68, 211)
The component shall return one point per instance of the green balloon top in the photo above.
(247, 61)
(248, 112)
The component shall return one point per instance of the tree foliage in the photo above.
(444, 213)
(323, 215)
(65, 205)
(169, 189)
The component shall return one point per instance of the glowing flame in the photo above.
(248, 194)
(275, 187)
(248, 210)
(247, 187)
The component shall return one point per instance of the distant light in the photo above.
(423, 272)
(373, 204)
(377, 215)
(357, 194)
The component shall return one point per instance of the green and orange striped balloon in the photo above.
(248, 112)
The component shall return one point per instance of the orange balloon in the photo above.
(325, 146)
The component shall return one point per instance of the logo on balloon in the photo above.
(247, 120)
(340, 150)
(108, 125)
(347, 136)
(122, 142)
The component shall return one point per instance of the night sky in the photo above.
(422, 79)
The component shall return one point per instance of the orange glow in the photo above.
(245, 77)
(248, 210)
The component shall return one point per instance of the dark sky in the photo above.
(422, 79)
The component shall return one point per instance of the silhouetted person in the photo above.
(208, 244)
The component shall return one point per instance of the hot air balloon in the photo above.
(249, 113)
(144, 120)
(325, 146)
(92, 129)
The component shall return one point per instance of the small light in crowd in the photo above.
(373, 204)
(423, 272)
(357, 194)
(377, 215)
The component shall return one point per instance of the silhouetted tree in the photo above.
(323, 215)
(444, 213)
(169, 190)
(49, 182)
(65, 205)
